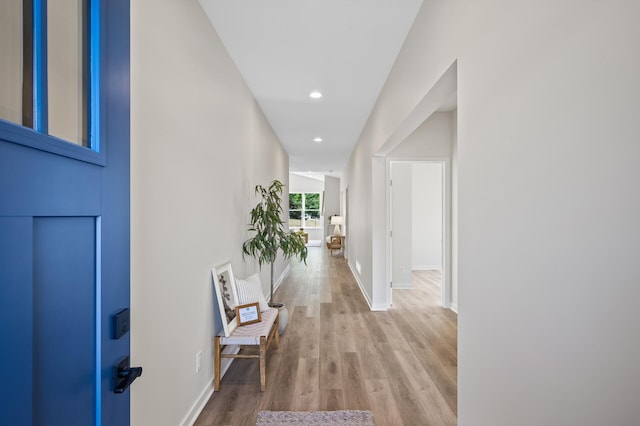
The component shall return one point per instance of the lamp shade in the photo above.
(337, 220)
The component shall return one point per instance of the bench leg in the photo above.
(216, 363)
(263, 363)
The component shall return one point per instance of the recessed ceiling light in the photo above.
(317, 140)
(315, 95)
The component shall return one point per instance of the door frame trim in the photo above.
(446, 292)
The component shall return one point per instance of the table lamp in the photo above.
(337, 221)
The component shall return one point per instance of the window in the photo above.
(67, 70)
(48, 77)
(16, 64)
(304, 210)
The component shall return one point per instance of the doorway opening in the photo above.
(417, 228)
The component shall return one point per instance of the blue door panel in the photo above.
(64, 385)
(16, 318)
(31, 172)
(115, 218)
(64, 257)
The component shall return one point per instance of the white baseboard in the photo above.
(355, 276)
(198, 406)
(402, 286)
(372, 307)
(207, 393)
(378, 308)
(454, 307)
(426, 268)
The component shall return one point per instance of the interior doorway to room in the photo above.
(417, 227)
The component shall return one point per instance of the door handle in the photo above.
(124, 375)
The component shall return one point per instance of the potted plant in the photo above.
(270, 235)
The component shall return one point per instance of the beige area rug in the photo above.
(316, 418)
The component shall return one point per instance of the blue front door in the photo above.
(64, 242)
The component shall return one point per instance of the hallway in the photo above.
(336, 354)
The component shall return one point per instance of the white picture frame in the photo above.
(225, 286)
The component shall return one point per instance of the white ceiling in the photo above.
(285, 49)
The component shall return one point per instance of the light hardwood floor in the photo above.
(338, 355)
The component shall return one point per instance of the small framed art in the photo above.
(248, 314)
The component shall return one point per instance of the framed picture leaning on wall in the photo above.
(224, 285)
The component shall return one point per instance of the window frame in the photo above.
(303, 210)
(36, 136)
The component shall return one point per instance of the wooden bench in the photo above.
(258, 334)
(335, 242)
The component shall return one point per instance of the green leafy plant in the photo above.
(270, 234)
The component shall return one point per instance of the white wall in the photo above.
(548, 201)
(426, 213)
(299, 183)
(401, 224)
(432, 139)
(332, 204)
(200, 144)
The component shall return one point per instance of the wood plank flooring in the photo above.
(338, 355)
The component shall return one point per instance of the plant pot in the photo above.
(283, 318)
